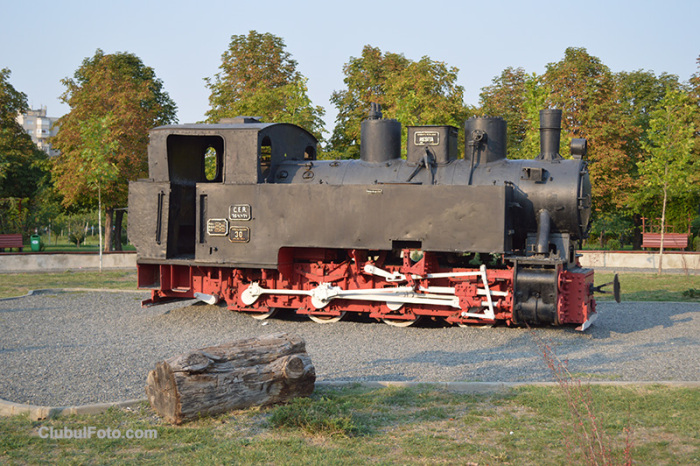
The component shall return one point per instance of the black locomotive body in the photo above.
(242, 211)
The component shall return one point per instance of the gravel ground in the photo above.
(74, 348)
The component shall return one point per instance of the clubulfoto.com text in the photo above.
(90, 432)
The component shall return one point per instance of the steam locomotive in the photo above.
(243, 212)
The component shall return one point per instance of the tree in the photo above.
(414, 93)
(535, 100)
(425, 93)
(123, 97)
(97, 167)
(22, 164)
(640, 92)
(585, 89)
(671, 170)
(365, 79)
(517, 97)
(258, 77)
(12, 103)
(505, 98)
(694, 93)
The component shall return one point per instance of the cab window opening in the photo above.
(310, 153)
(211, 164)
(265, 157)
(195, 159)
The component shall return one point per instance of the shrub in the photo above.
(77, 237)
(613, 245)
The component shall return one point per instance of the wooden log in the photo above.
(253, 372)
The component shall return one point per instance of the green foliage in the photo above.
(14, 215)
(640, 92)
(585, 89)
(24, 214)
(12, 101)
(74, 226)
(670, 135)
(694, 93)
(695, 226)
(613, 245)
(97, 166)
(517, 97)
(609, 226)
(415, 93)
(425, 92)
(77, 237)
(535, 100)
(505, 98)
(210, 163)
(44, 206)
(321, 416)
(365, 79)
(22, 164)
(115, 99)
(24, 168)
(258, 77)
(670, 171)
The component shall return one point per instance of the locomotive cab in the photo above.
(188, 163)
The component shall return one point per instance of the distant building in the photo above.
(40, 127)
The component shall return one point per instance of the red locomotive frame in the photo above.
(309, 282)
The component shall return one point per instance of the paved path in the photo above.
(83, 347)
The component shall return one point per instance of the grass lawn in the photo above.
(18, 284)
(531, 425)
(62, 244)
(653, 287)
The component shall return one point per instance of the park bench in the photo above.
(11, 241)
(671, 240)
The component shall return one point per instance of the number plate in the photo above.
(217, 227)
(426, 138)
(239, 234)
(239, 212)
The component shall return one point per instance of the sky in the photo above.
(43, 42)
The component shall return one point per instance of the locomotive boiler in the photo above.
(243, 212)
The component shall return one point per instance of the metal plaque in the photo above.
(239, 212)
(239, 234)
(217, 227)
(426, 138)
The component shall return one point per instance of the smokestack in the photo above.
(380, 138)
(550, 134)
